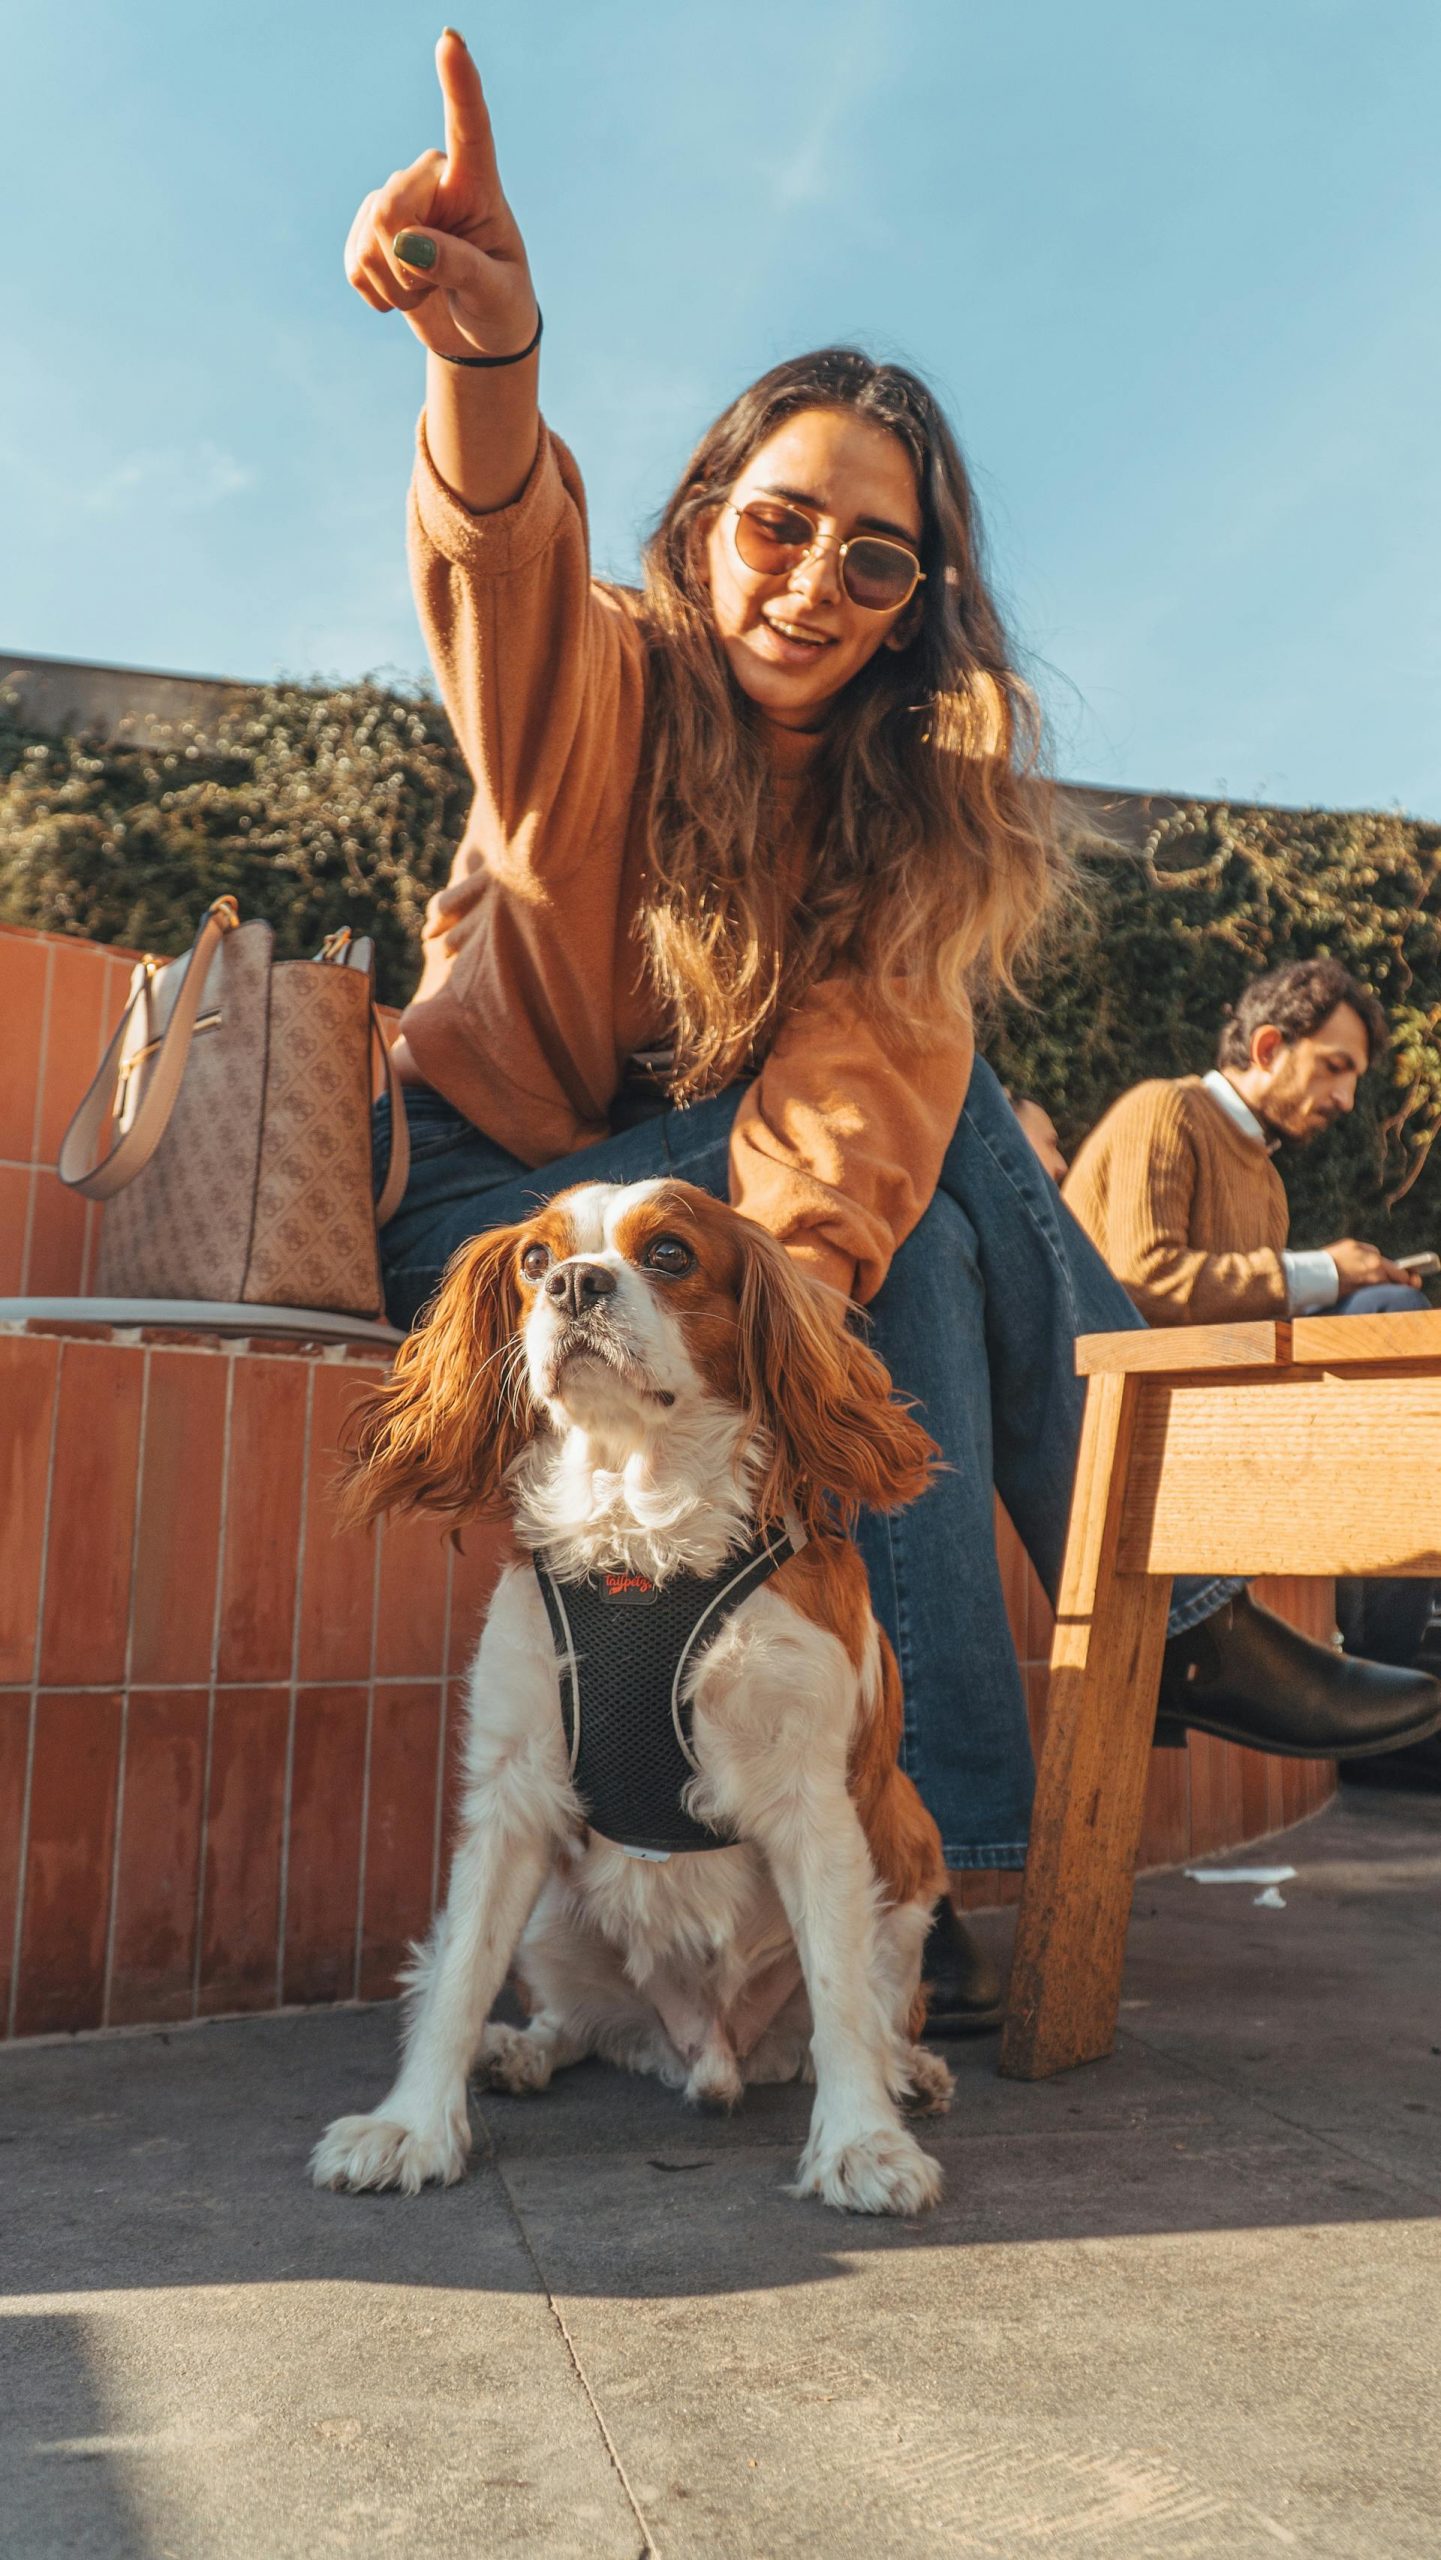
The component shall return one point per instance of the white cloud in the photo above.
(814, 166)
(187, 478)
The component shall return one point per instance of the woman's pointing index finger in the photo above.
(469, 143)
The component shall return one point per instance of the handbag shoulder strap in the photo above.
(398, 1170)
(80, 1166)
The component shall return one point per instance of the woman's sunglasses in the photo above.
(773, 536)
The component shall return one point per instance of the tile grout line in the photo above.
(89, 1250)
(287, 1792)
(371, 1683)
(108, 1976)
(42, 1579)
(223, 1688)
(27, 1247)
(212, 1687)
(306, 1474)
(129, 1332)
(649, 2548)
(46, 1008)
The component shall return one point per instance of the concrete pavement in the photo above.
(1186, 2303)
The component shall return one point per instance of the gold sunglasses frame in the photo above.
(818, 542)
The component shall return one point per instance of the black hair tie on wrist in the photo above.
(491, 364)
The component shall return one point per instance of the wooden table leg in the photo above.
(1105, 1666)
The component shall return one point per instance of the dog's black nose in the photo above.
(578, 1286)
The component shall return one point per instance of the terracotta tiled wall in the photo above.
(59, 1002)
(224, 1729)
(223, 1725)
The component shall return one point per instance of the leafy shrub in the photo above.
(316, 809)
(321, 808)
(1137, 985)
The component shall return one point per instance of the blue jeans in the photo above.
(1382, 1619)
(977, 1321)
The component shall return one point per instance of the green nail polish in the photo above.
(413, 249)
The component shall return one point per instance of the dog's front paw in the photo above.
(883, 2171)
(929, 2083)
(360, 2152)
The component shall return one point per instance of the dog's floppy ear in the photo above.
(822, 1398)
(456, 1409)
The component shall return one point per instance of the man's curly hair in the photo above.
(1296, 1000)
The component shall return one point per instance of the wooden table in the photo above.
(1311, 1447)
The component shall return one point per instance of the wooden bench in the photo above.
(1296, 1448)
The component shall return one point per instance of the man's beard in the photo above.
(1277, 1136)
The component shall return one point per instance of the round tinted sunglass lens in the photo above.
(879, 575)
(772, 538)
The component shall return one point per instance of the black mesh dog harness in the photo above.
(627, 1723)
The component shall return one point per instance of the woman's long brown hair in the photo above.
(936, 856)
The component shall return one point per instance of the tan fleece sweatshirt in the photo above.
(527, 1024)
(1187, 1210)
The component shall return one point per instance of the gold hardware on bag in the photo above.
(335, 943)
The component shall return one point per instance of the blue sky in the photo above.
(1173, 268)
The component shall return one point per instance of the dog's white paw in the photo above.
(884, 2171)
(515, 2059)
(360, 2152)
(930, 2084)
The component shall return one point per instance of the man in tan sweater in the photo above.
(1177, 1190)
(1176, 1187)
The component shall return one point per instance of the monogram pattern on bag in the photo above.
(181, 1229)
(314, 1241)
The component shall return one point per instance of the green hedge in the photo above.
(319, 808)
(315, 808)
(1137, 986)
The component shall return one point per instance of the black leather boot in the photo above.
(966, 1994)
(1247, 1676)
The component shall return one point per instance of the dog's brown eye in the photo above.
(668, 1254)
(535, 1261)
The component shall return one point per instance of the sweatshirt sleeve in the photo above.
(837, 1146)
(1131, 1187)
(540, 670)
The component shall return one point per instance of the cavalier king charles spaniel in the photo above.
(651, 1389)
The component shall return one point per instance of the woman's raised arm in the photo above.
(439, 242)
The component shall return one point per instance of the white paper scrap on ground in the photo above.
(1240, 1875)
(1270, 1900)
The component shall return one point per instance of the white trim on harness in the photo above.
(791, 1530)
(568, 1666)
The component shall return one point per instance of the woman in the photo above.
(739, 844)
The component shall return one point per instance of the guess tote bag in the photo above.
(236, 1093)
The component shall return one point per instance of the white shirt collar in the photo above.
(1238, 1111)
